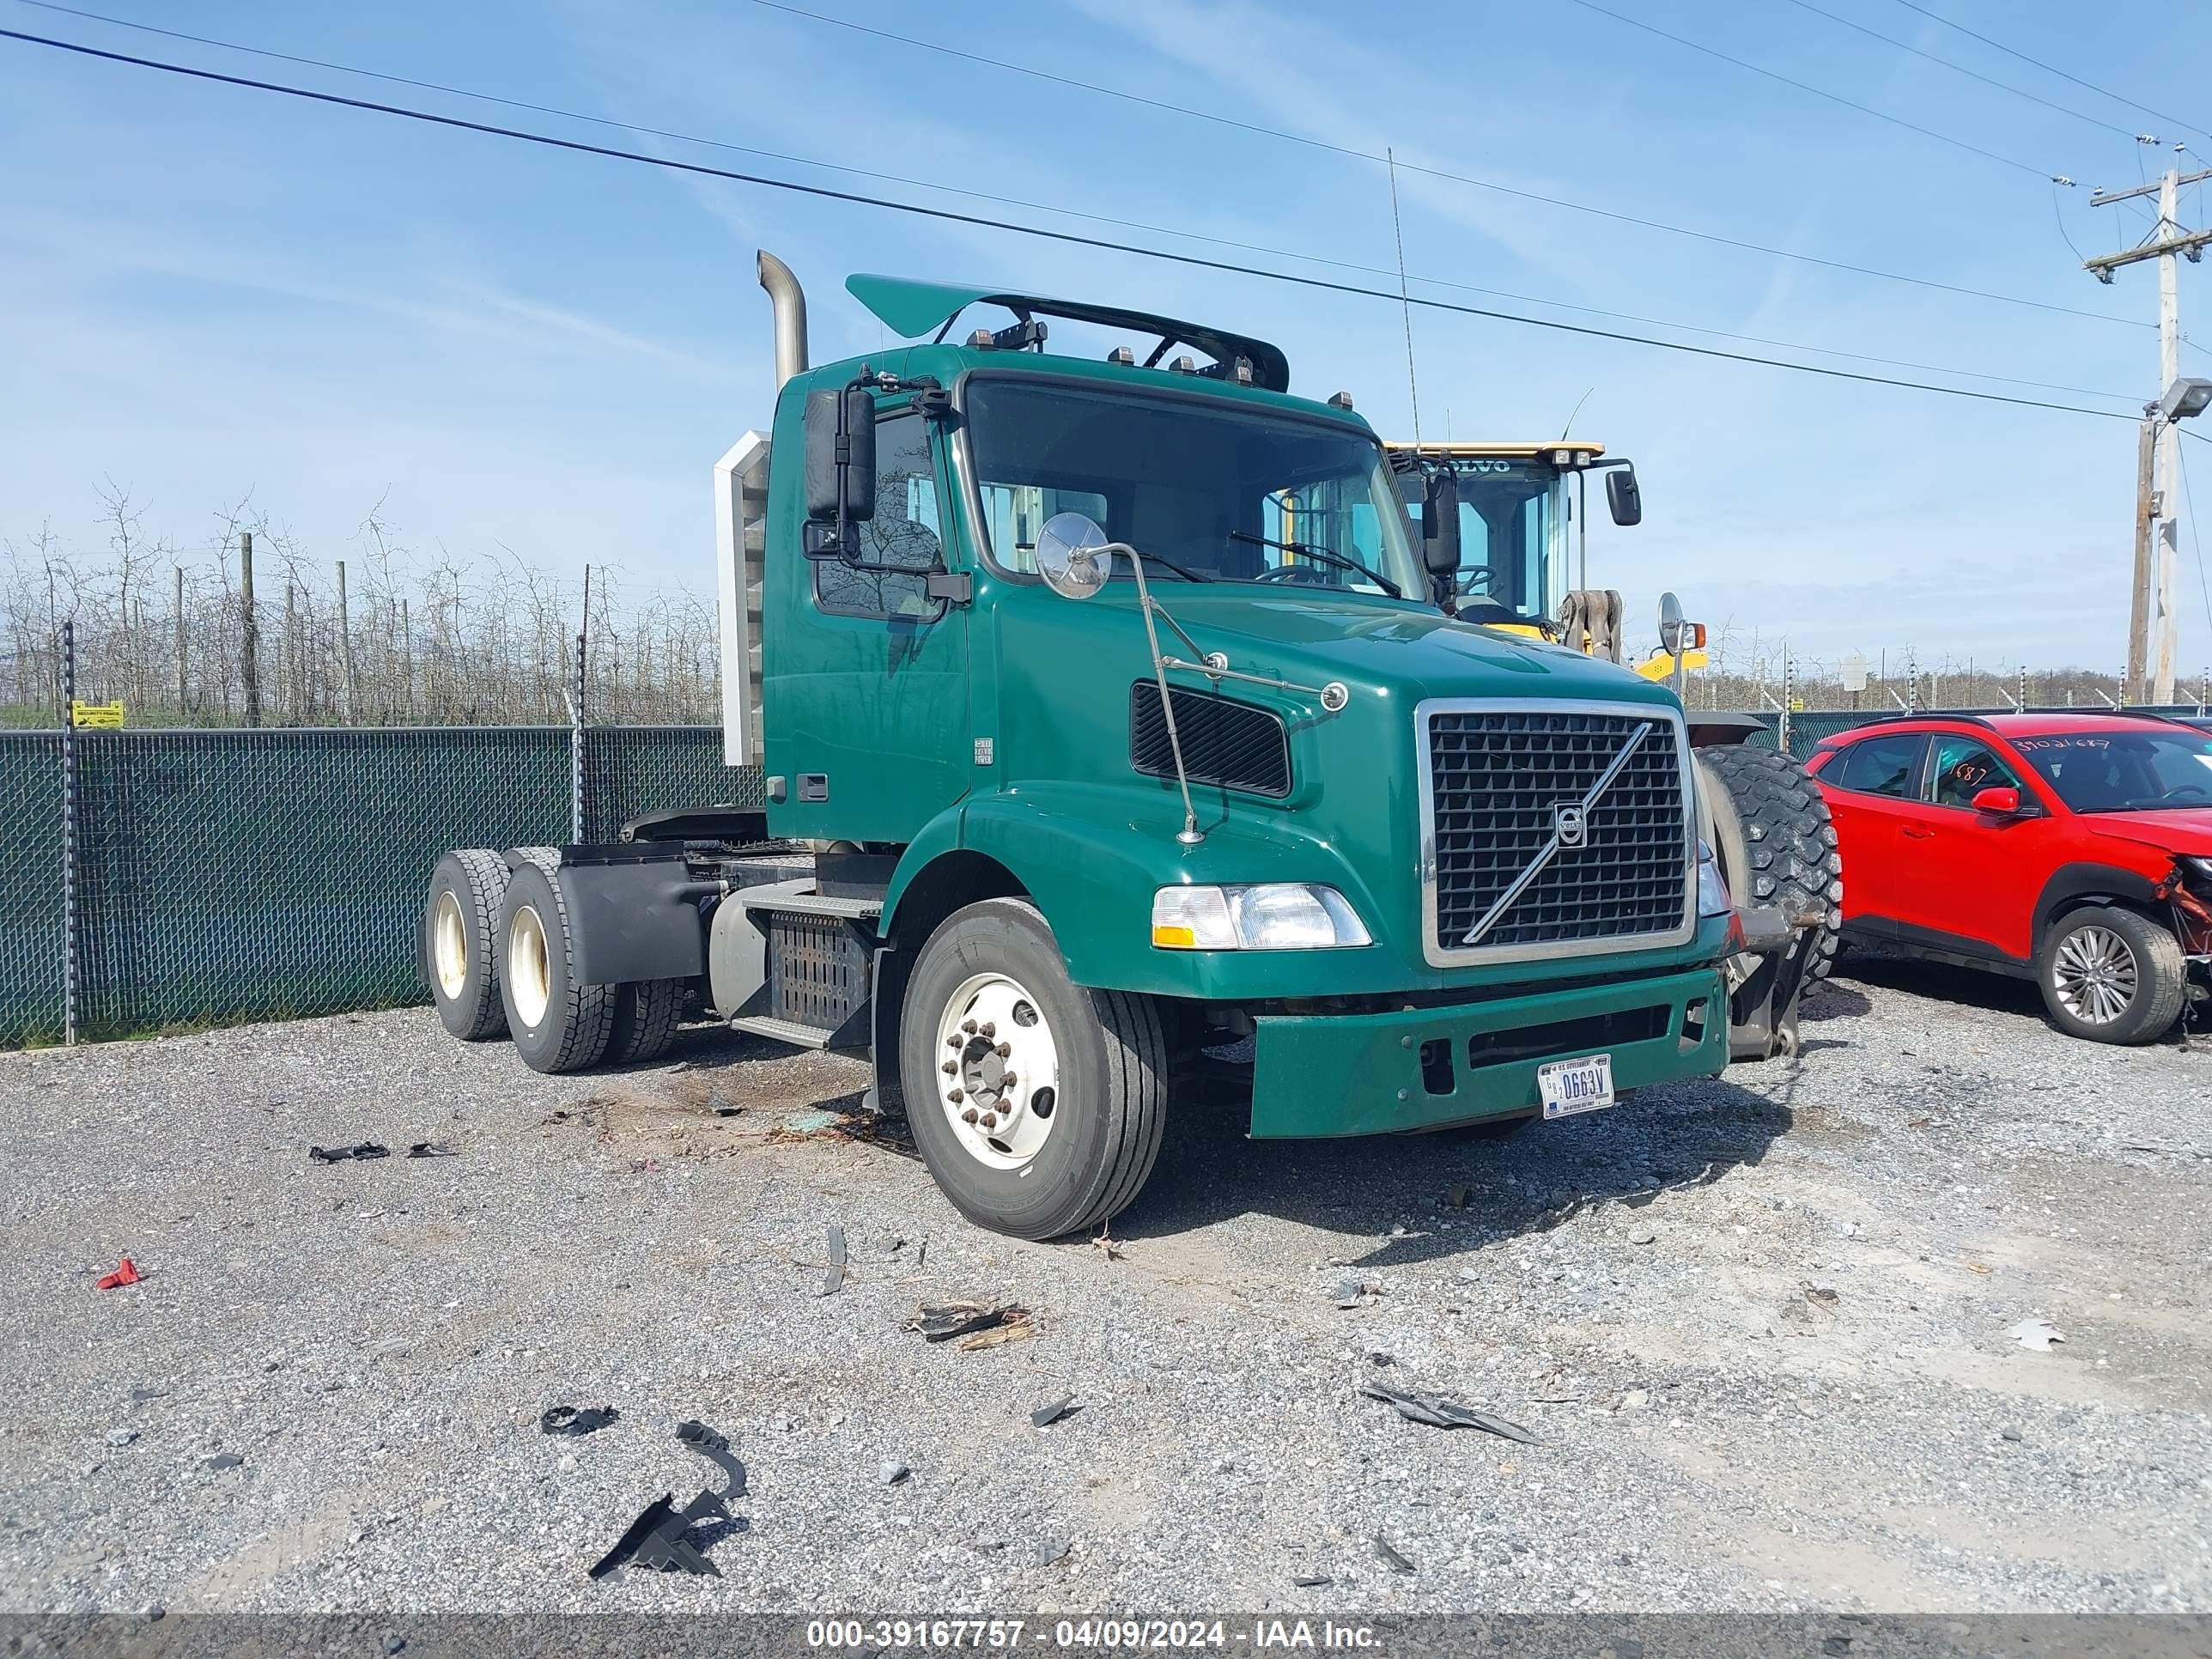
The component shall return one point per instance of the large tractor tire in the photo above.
(459, 949)
(1770, 827)
(1037, 1104)
(558, 1024)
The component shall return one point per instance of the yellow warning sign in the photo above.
(96, 714)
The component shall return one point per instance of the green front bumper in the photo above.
(1361, 1074)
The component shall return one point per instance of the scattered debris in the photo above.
(944, 1321)
(1051, 1550)
(1376, 1356)
(222, 1460)
(1641, 1236)
(121, 1437)
(2036, 1334)
(1635, 1400)
(1107, 1246)
(140, 1396)
(1053, 1410)
(1347, 1294)
(834, 1279)
(1824, 1294)
(1918, 1122)
(1977, 1266)
(890, 1471)
(431, 1149)
(1440, 1413)
(2012, 1435)
(126, 1272)
(1455, 1199)
(1312, 1580)
(656, 1538)
(644, 1166)
(572, 1420)
(367, 1149)
(1389, 1556)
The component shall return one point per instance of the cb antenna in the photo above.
(1405, 298)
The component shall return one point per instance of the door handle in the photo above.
(1919, 834)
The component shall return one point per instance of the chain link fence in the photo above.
(1808, 726)
(235, 875)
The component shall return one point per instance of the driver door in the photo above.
(1976, 877)
(869, 685)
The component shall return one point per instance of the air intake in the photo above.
(1223, 741)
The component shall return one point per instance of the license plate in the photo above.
(1569, 1086)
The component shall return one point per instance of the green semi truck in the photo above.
(1105, 716)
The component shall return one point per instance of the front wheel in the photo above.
(2112, 976)
(1037, 1104)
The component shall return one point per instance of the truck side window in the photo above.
(1879, 766)
(906, 532)
(1964, 768)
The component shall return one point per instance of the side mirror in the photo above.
(1440, 525)
(1072, 556)
(1671, 625)
(2001, 802)
(1624, 495)
(827, 447)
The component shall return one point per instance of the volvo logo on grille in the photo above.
(1570, 823)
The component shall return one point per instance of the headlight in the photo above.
(1273, 916)
(2199, 867)
(1712, 892)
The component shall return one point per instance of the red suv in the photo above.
(2073, 849)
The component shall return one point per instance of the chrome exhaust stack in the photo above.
(790, 303)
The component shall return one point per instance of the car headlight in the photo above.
(2202, 867)
(1271, 915)
(1712, 892)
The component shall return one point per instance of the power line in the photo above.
(823, 193)
(1618, 218)
(451, 90)
(2053, 69)
(1960, 68)
(1818, 92)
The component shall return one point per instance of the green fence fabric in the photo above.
(31, 937)
(226, 876)
(1808, 728)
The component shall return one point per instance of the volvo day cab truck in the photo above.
(1104, 716)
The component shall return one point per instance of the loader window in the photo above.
(905, 531)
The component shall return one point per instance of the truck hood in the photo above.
(1315, 637)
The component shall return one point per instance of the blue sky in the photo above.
(205, 290)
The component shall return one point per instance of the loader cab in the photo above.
(1517, 504)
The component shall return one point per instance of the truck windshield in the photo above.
(1506, 511)
(2125, 771)
(1227, 493)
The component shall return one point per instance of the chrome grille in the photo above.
(1494, 780)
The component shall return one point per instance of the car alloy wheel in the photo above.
(2094, 975)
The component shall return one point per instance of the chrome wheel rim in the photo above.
(998, 1070)
(449, 947)
(2093, 974)
(528, 981)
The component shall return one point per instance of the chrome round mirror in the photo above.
(1670, 624)
(1071, 555)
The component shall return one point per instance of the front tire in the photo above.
(459, 950)
(1067, 1139)
(558, 1025)
(2111, 976)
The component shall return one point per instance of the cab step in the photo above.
(818, 952)
(782, 1030)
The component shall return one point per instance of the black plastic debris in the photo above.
(340, 1154)
(1389, 1556)
(431, 1149)
(656, 1539)
(573, 1420)
(1440, 1413)
(222, 1460)
(944, 1321)
(1312, 1580)
(1052, 1411)
(834, 1279)
(140, 1396)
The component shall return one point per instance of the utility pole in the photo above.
(345, 645)
(249, 660)
(2168, 240)
(183, 699)
(2146, 517)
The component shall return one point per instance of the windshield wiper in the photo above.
(1308, 550)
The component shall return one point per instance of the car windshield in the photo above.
(2124, 771)
(1210, 491)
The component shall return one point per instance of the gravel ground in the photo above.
(1757, 1326)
